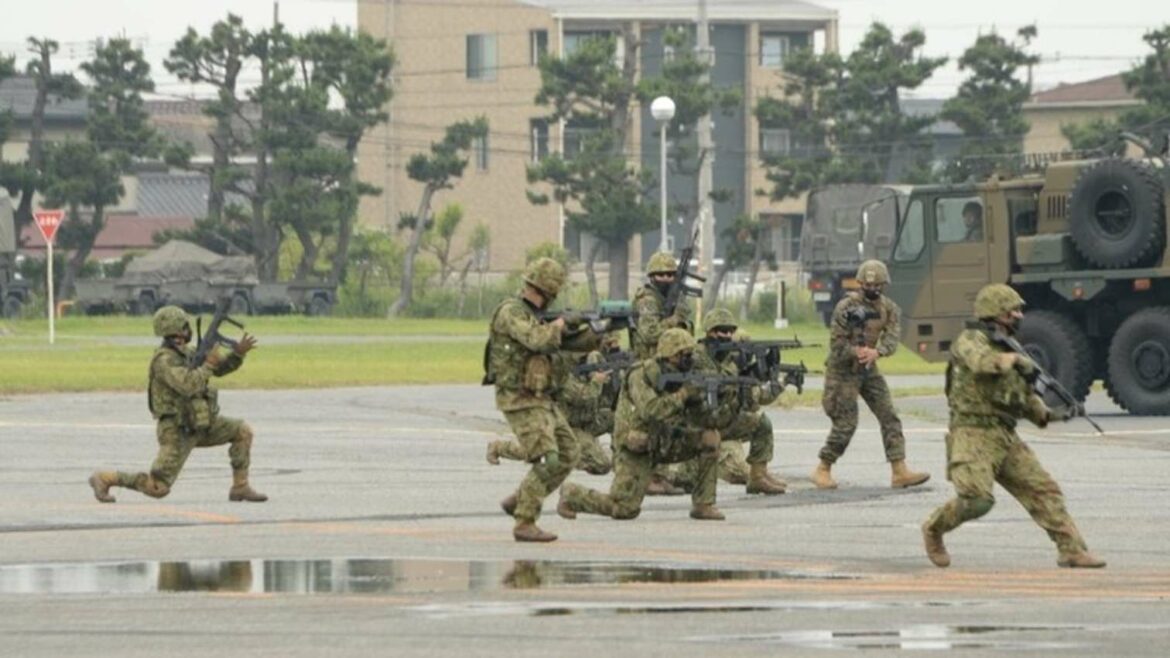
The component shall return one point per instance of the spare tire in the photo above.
(1116, 215)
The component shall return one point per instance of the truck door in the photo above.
(957, 228)
(910, 265)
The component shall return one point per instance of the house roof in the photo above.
(1109, 90)
(723, 10)
(122, 233)
(164, 194)
(19, 94)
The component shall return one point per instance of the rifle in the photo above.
(1042, 382)
(856, 318)
(616, 362)
(761, 359)
(608, 316)
(213, 337)
(679, 289)
(710, 384)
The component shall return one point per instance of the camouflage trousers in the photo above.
(839, 401)
(755, 428)
(593, 457)
(541, 430)
(631, 476)
(175, 445)
(977, 458)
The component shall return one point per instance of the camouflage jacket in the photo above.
(175, 390)
(583, 402)
(736, 402)
(664, 416)
(519, 356)
(881, 333)
(983, 391)
(649, 303)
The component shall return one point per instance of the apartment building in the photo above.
(458, 59)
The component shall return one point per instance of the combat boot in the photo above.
(564, 509)
(735, 478)
(902, 477)
(822, 476)
(760, 483)
(935, 549)
(101, 481)
(528, 531)
(706, 513)
(493, 453)
(509, 504)
(242, 491)
(1082, 560)
(659, 486)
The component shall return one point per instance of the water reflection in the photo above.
(358, 576)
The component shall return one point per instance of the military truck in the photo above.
(843, 226)
(14, 292)
(1082, 241)
(190, 276)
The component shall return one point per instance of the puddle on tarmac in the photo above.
(925, 637)
(357, 576)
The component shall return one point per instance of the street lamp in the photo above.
(662, 109)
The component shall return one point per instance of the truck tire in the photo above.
(239, 305)
(1139, 363)
(12, 307)
(1116, 216)
(319, 306)
(1060, 347)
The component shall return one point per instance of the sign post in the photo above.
(48, 221)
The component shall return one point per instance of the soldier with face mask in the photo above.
(864, 328)
(987, 390)
(185, 406)
(652, 427)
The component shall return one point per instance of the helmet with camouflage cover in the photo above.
(674, 341)
(169, 321)
(546, 275)
(996, 299)
(873, 271)
(661, 262)
(719, 317)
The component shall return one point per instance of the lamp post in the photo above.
(662, 109)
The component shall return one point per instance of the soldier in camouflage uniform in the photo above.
(749, 423)
(650, 303)
(520, 359)
(654, 427)
(851, 370)
(185, 405)
(987, 390)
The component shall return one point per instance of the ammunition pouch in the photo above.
(196, 416)
(538, 374)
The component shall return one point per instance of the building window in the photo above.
(481, 149)
(775, 141)
(537, 45)
(481, 57)
(575, 138)
(538, 131)
(773, 48)
(573, 40)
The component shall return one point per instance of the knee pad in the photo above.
(154, 488)
(973, 508)
(245, 435)
(626, 513)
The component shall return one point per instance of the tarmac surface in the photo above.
(383, 536)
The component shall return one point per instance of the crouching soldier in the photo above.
(185, 405)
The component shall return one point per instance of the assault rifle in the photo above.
(680, 288)
(856, 318)
(207, 342)
(1043, 383)
(761, 360)
(608, 316)
(710, 384)
(616, 361)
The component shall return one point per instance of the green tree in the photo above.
(439, 239)
(437, 171)
(603, 195)
(988, 105)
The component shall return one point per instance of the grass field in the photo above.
(111, 353)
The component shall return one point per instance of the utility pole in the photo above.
(706, 217)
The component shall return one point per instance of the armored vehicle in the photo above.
(1083, 242)
(843, 226)
(14, 292)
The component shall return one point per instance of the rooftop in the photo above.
(19, 94)
(722, 10)
(1109, 90)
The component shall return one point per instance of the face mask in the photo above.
(872, 295)
(663, 286)
(1011, 325)
(686, 362)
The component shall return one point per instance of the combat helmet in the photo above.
(719, 317)
(674, 341)
(169, 321)
(873, 271)
(662, 262)
(996, 299)
(546, 275)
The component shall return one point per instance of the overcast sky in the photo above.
(1078, 39)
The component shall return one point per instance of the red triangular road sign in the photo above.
(48, 221)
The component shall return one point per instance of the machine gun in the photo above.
(680, 288)
(855, 318)
(608, 316)
(710, 384)
(761, 359)
(207, 342)
(1042, 382)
